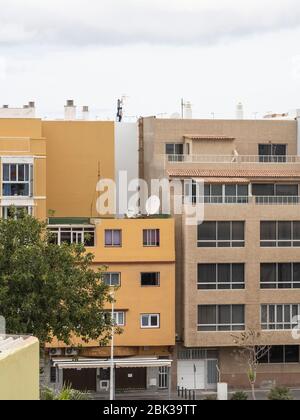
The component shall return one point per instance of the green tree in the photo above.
(49, 290)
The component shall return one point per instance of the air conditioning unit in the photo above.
(104, 385)
(55, 352)
(71, 352)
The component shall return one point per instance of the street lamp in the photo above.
(112, 370)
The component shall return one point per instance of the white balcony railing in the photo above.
(268, 200)
(173, 159)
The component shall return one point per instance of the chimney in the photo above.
(31, 104)
(85, 113)
(70, 111)
(239, 111)
(5, 106)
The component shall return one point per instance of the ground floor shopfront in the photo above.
(202, 369)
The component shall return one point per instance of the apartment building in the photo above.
(140, 262)
(239, 269)
(51, 169)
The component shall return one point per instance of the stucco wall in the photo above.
(19, 372)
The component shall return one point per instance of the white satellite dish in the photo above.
(152, 205)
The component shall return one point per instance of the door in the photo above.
(131, 378)
(81, 379)
(212, 374)
(191, 374)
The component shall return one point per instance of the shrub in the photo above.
(239, 396)
(66, 394)
(211, 398)
(280, 394)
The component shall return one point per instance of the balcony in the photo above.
(244, 200)
(232, 159)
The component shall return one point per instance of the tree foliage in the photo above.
(49, 290)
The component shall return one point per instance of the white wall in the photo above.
(126, 151)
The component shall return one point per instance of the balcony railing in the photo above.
(268, 200)
(239, 159)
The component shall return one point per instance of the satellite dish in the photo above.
(131, 213)
(152, 205)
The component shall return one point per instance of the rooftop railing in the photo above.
(173, 159)
(261, 200)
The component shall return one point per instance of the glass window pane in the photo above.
(207, 231)
(296, 230)
(117, 237)
(286, 190)
(108, 238)
(238, 231)
(13, 172)
(223, 273)
(284, 275)
(268, 273)
(284, 230)
(230, 190)
(216, 190)
(263, 190)
(277, 354)
(224, 231)
(207, 273)
(170, 150)
(268, 231)
(5, 172)
(21, 172)
(291, 354)
(238, 314)
(224, 314)
(207, 315)
(238, 273)
(242, 190)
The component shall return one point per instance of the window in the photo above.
(175, 152)
(221, 318)
(281, 354)
(280, 234)
(221, 235)
(221, 276)
(17, 179)
(15, 211)
(52, 374)
(280, 276)
(119, 319)
(112, 279)
(276, 193)
(279, 317)
(150, 279)
(272, 152)
(113, 238)
(151, 237)
(150, 321)
(227, 193)
(73, 235)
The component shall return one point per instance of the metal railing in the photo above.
(258, 200)
(173, 159)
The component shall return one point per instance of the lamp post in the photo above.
(112, 368)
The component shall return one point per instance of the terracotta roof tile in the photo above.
(209, 173)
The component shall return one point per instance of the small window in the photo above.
(113, 238)
(119, 318)
(150, 279)
(53, 375)
(150, 321)
(112, 279)
(151, 237)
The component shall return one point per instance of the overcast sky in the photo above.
(213, 53)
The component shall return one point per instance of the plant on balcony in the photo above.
(250, 350)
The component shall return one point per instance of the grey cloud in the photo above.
(123, 22)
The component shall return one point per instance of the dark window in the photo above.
(280, 234)
(272, 152)
(151, 237)
(280, 276)
(150, 279)
(221, 276)
(221, 234)
(221, 318)
(264, 190)
(281, 355)
(52, 374)
(287, 190)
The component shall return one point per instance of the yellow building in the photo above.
(23, 166)
(19, 368)
(52, 169)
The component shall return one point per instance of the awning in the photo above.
(106, 363)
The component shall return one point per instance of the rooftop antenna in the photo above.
(120, 106)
